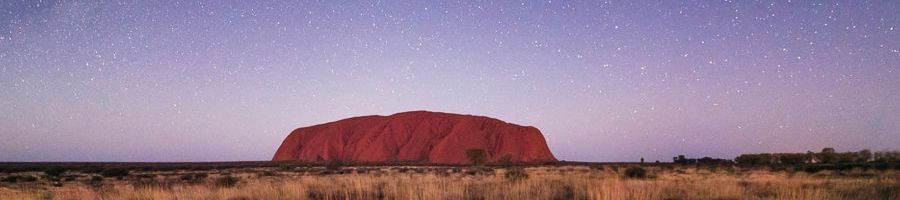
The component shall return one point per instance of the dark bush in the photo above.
(614, 168)
(193, 178)
(363, 170)
(267, 173)
(92, 170)
(114, 172)
(17, 178)
(226, 181)
(506, 161)
(286, 167)
(145, 176)
(96, 181)
(778, 168)
(813, 168)
(28, 178)
(150, 183)
(881, 166)
(54, 171)
(11, 179)
(334, 165)
(516, 174)
(476, 156)
(844, 167)
(636, 172)
(566, 192)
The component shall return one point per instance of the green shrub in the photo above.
(636, 172)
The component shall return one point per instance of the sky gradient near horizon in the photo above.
(603, 80)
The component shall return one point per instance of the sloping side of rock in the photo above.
(418, 136)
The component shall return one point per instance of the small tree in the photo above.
(864, 156)
(506, 161)
(476, 156)
(828, 155)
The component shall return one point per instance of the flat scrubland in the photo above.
(574, 181)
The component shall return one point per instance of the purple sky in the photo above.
(604, 81)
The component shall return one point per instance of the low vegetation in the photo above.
(636, 172)
(226, 181)
(516, 174)
(826, 156)
(576, 181)
(114, 172)
(54, 171)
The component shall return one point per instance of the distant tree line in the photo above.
(681, 159)
(826, 156)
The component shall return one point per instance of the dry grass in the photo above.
(568, 182)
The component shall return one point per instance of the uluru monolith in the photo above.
(417, 136)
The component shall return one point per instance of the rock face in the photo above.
(418, 136)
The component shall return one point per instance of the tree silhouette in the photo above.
(476, 156)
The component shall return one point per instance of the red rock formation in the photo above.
(418, 136)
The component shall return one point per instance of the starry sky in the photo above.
(603, 80)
